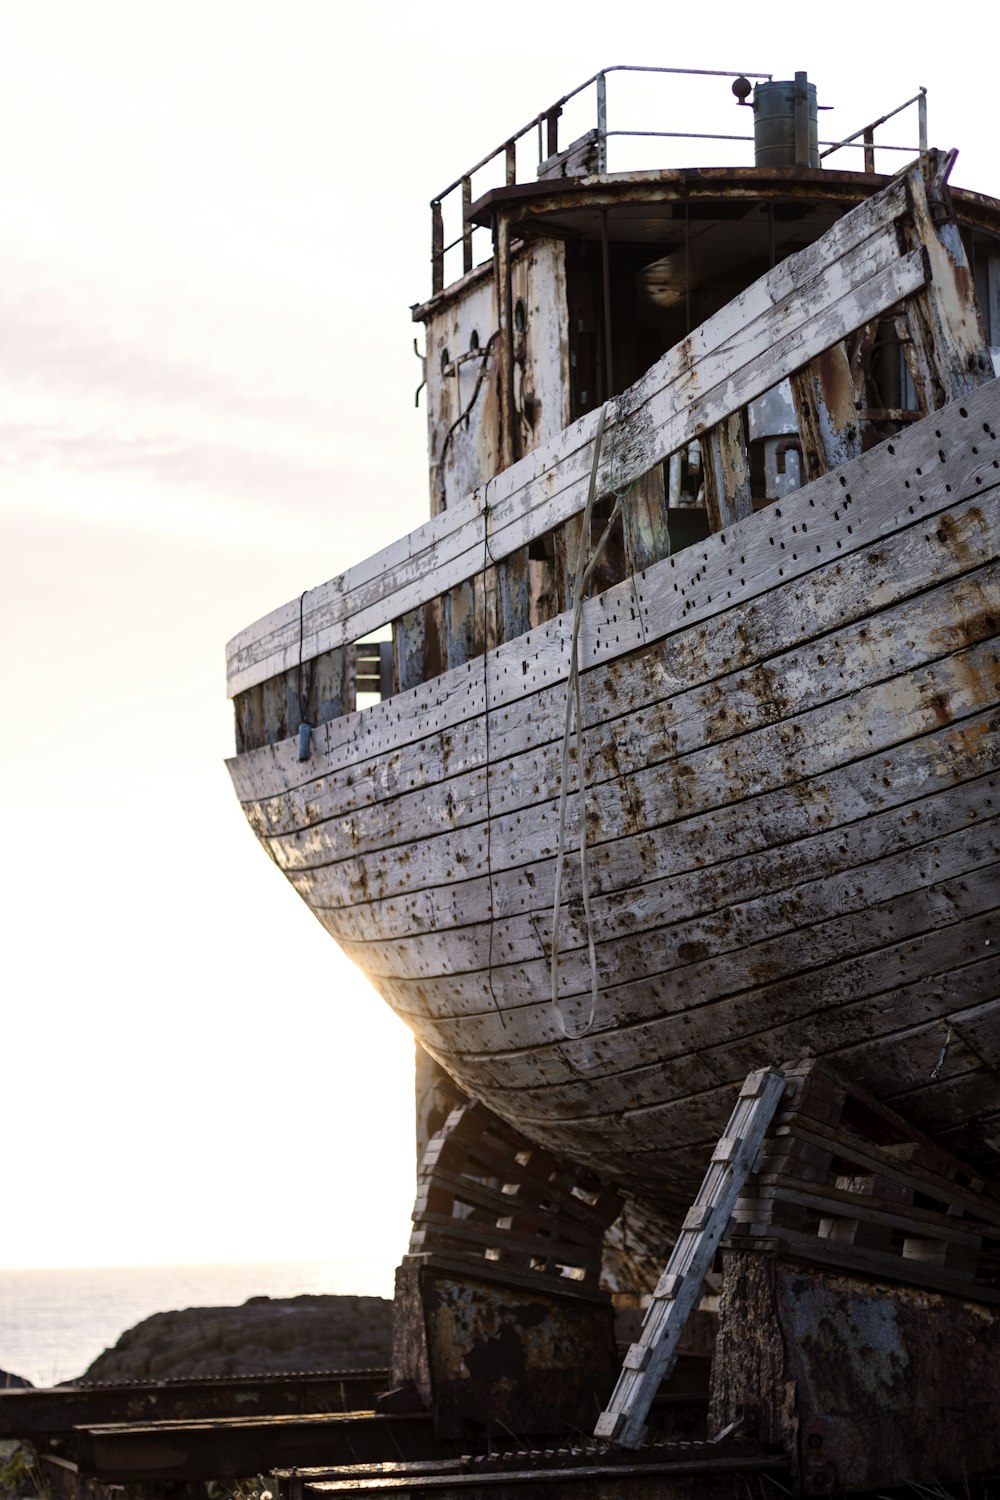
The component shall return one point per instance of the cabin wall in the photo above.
(464, 437)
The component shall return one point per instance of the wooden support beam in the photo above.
(328, 697)
(644, 519)
(829, 431)
(249, 708)
(462, 625)
(275, 711)
(727, 473)
(416, 646)
(946, 350)
(513, 596)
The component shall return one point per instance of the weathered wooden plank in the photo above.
(794, 748)
(645, 520)
(416, 647)
(829, 430)
(248, 708)
(726, 466)
(818, 303)
(840, 593)
(618, 913)
(327, 697)
(627, 887)
(532, 1023)
(947, 352)
(903, 481)
(275, 701)
(784, 915)
(689, 1124)
(462, 624)
(666, 1114)
(513, 577)
(957, 612)
(682, 1012)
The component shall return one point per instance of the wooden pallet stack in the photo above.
(843, 1181)
(490, 1201)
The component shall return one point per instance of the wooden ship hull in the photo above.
(780, 751)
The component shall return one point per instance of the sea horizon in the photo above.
(56, 1320)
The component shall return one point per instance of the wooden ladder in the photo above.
(649, 1361)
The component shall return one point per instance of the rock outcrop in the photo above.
(265, 1335)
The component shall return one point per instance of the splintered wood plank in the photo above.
(815, 298)
(726, 466)
(678, 1291)
(903, 482)
(825, 408)
(947, 353)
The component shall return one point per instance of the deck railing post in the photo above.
(466, 226)
(437, 247)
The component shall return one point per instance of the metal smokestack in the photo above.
(785, 124)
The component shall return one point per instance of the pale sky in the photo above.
(213, 219)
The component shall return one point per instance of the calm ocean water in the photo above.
(53, 1323)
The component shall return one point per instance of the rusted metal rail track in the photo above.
(29, 1413)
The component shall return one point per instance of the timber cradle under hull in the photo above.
(788, 752)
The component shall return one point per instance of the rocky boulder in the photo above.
(264, 1336)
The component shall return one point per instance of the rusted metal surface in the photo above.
(865, 1383)
(225, 1448)
(47, 1413)
(674, 1471)
(507, 1357)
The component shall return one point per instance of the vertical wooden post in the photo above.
(644, 519)
(275, 709)
(829, 431)
(946, 351)
(248, 707)
(510, 163)
(416, 646)
(509, 435)
(296, 706)
(727, 473)
(326, 694)
(552, 132)
(462, 625)
(513, 595)
(565, 547)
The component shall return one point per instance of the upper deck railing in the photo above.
(450, 207)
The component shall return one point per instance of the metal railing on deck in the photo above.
(546, 124)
